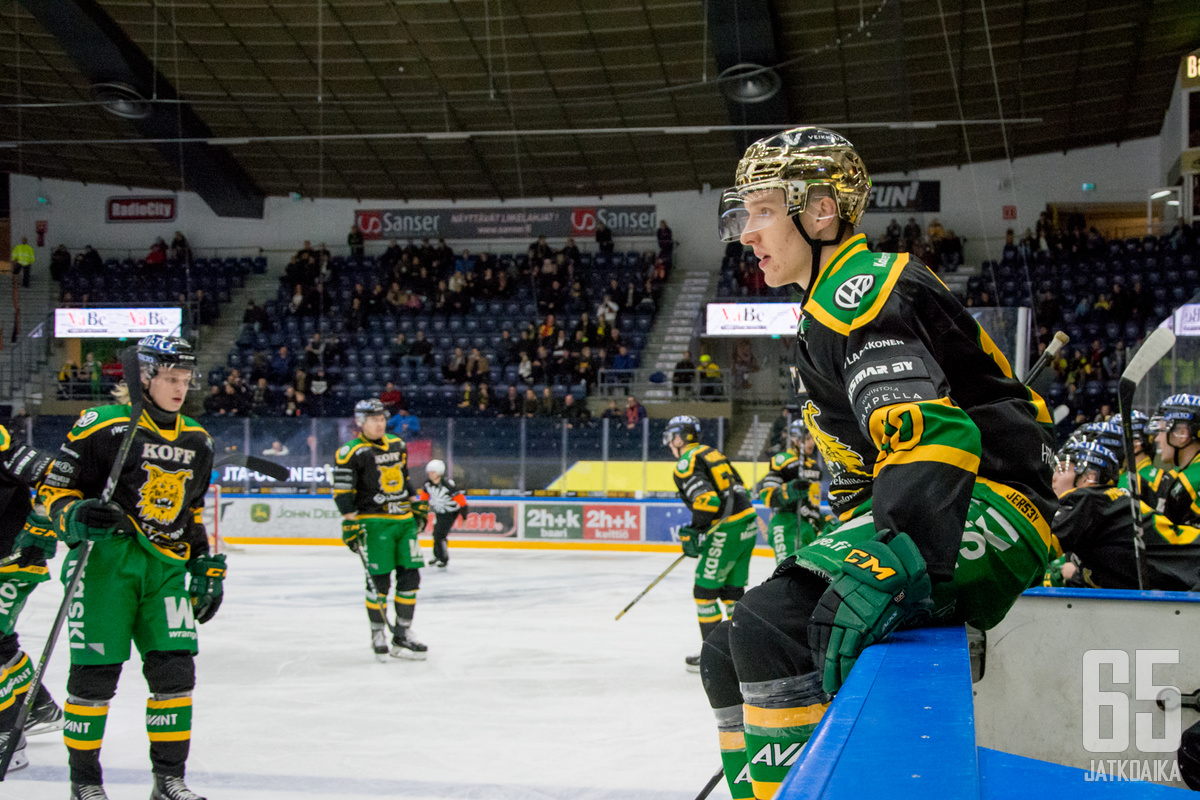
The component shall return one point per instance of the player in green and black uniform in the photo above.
(792, 490)
(723, 528)
(372, 490)
(146, 541)
(25, 542)
(1150, 477)
(940, 458)
(1093, 524)
(1173, 535)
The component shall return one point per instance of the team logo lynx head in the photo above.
(391, 479)
(839, 457)
(161, 497)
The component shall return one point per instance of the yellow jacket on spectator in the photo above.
(23, 255)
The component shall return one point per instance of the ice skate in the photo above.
(19, 759)
(169, 787)
(405, 646)
(44, 717)
(88, 791)
(692, 663)
(379, 643)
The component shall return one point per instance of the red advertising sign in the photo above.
(612, 522)
(1009, 212)
(492, 518)
(140, 209)
(583, 222)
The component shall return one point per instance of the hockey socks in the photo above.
(83, 735)
(406, 606)
(733, 752)
(14, 684)
(169, 727)
(779, 718)
(375, 603)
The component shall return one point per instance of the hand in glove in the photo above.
(691, 540)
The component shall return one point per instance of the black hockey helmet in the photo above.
(371, 407)
(685, 426)
(1106, 434)
(1143, 433)
(797, 431)
(166, 352)
(1095, 457)
(1182, 408)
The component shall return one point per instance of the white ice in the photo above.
(531, 689)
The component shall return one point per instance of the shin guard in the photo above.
(779, 717)
(83, 734)
(733, 752)
(169, 727)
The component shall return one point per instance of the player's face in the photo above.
(677, 445)
(435, 477)
(783, 255)
(374, 426)
(1178, 435)
(169, 387)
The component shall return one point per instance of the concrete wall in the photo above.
(972, 201)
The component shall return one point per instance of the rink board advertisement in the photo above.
(499, 222)
(752, 319)
(293, 517)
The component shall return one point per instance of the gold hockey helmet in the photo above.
(791, 163)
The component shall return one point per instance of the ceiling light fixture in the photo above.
(121, 100)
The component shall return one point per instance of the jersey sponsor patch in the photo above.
(887, 381)
(344, 451)
(853, 290)
(86, 418)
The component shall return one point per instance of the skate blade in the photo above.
(408, 655)
(46, 727)
(382, 658)
(690, 668)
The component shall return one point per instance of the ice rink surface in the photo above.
(531, 691)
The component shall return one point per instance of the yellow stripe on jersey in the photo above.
(936, 453)
(1025, 507)
(1175, 534)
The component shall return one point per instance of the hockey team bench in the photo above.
(909, 723)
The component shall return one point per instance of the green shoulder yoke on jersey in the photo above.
(346, 451)
(686, 464)
(101, 417)
(783, 458)
(853, 287)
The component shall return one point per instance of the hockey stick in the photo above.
(712, 784)
(1157, 345)
(381, 597)
(653, 583)
(132, 370)
(1046, 357)
(256, 464)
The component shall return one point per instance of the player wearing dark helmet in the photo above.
(723, 529)
(940, 459)
(792, 490)
(146, 541)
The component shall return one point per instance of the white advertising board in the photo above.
(116, 323)
(752, 319)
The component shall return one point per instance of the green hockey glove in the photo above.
(791, 493)
(420, 512)
(883, 584)
(351, 533)
(89, 519)
(1054, 576)
(691, 540)
(208, 576)
(38, 534)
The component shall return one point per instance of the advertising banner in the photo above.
(612, 522)
(553, 521)
(501, 222)
(663, 521)
(116, 323)
(895, 197)
(486, 518)
(280, 517)
(1187, 320)
(139, 209)
(752, 319)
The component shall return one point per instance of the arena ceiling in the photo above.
(419, 98)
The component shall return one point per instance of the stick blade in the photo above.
(1157, 345)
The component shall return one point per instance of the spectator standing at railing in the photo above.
(180, 250)
(710, 378)
(23, 259)
(635, 412)
(604, 239)
(354, 240)
(683, 381)
(666, 240)
(744, 363)
(60, 263)
(570, 252)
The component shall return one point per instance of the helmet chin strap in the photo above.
(817, 244)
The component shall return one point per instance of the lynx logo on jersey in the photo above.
(840, 458)
(851, 293)
(161, 497)
(391, 479)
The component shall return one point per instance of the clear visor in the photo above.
(750, 209)
(668, 437)
(171, 373)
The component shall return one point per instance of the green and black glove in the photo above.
(208, 576)
(89, 519)
(792, 493)
(38, 537)
(691, 540)
(352, 533)
(883, 584)
(420, 512)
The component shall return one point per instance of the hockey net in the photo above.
(212, 522)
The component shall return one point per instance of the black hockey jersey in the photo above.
(910, 402)
(787, 466)
(711, 487)
(21, 467)
(443, 497)
(1095, 523)
(163, 481)
(371, 479)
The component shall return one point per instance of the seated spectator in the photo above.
(506, 349)
(547, 404)
(281, 365)
(525, 369)
(612, 413)
(483, 401)
(403, 424)
(421, 351)
(396, 297)
(391, 397)
(576, 415)
(300, 381)
(510, 405)
(530, 405)
(606, 312)
(261, 401)
(212, 404)
(356, 316)
(296, 304)
(295, 405)
(477, 365)
(570, 252)
(585, 369)
(548, 330)
(314, 351)
(157, 257)
(277, 448)
(635, 412)
(181, 251)
(233, 403)
(455, 370)
(467, 398)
